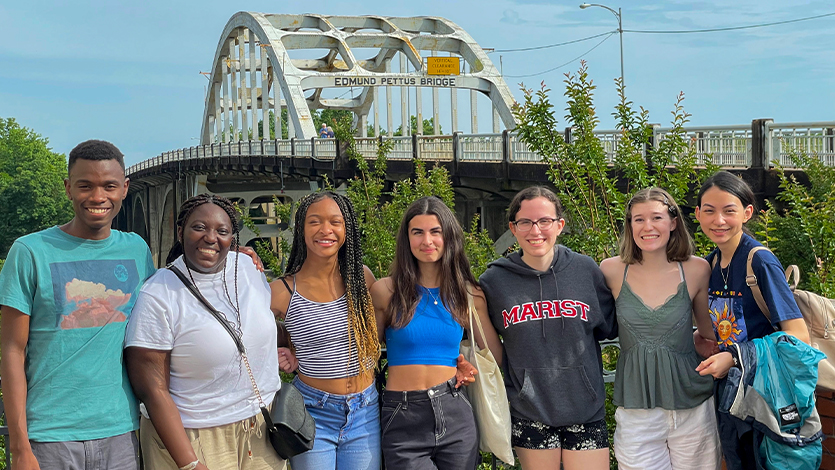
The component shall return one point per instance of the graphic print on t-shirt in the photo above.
(727, 318)
(92, 293)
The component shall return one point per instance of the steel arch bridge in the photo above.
(258, 71)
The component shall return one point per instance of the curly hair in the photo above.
(361, 320)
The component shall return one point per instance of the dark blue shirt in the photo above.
(735, 314)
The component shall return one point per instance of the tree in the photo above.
(800, 228)
(593, 189)
(32, 176)
(428, 127)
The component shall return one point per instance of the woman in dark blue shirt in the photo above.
(725, 203)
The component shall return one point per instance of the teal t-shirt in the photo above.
(79, 294)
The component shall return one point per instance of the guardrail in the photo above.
(728, 146)
(816, 138)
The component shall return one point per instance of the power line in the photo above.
(733, 28)
(535, 48)
(563, 65)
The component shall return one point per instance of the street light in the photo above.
(620, 30)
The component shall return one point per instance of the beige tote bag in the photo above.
(488, 396)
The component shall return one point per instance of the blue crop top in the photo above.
(431, 338)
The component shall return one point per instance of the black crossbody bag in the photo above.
(289, 424)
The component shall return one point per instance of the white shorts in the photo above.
(660, 439)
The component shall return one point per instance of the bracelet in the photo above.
(190, 466)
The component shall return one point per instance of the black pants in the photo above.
(429, 429)
(736, 436)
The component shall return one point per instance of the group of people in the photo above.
(326, 132)
(74, 296)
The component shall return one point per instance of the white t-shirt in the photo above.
(209, 383)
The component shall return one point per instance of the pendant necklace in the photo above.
(725, 276)
(435, 299)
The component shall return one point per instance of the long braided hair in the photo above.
(456, 275)
(186, 210)
(361, 320)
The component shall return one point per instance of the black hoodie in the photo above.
(551, 322)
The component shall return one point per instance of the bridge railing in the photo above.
(480, 148)
(816, 138)
(402, 149)
(435, 148)
(728, 146)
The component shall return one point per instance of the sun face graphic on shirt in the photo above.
(725, 324)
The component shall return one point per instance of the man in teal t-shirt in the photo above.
(66, 294)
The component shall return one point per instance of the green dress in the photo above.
(657, 363)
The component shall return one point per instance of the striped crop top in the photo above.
(432, 337)
(319, 331)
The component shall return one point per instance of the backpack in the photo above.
(818, 313)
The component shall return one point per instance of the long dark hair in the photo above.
(456, 275)
(732, 184)
(361, 319)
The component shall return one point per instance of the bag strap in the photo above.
(793, 276)
(227, 325)
(751, 281)
(471, 308)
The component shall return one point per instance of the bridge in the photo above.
(271, 73)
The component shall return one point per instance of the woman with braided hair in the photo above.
(199, 402)
(324, 300)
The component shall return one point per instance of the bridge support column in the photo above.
(760, 144)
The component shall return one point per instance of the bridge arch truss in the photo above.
(254, 77)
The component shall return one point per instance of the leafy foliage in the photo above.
(594, 186)
(593, 192)
(802, 231)
(32, 176)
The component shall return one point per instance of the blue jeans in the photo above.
(347, 430)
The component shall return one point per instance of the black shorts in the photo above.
(535, 435)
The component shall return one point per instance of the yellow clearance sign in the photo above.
(443, 66)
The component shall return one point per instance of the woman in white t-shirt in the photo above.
(200, 409)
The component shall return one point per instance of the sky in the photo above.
(129, 72)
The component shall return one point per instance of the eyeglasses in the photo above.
(525, 225)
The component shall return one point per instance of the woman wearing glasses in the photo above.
(551, 306)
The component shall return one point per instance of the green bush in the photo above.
(595, 190)
(799, 226)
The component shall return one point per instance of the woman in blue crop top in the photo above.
(422, 310)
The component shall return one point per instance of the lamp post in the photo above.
(620, 30)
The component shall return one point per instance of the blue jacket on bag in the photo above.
(773, 391)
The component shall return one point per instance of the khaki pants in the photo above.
(243, 445)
